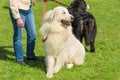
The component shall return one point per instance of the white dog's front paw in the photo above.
(49, 75)
(56, 69)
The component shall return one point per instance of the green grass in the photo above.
(104, 64)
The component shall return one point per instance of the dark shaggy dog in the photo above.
(84, 24)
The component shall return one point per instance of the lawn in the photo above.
(104, 64)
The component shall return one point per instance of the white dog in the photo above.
(61, 46)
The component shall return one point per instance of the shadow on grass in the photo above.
(40, 63)
(7, 55)
(5, 7)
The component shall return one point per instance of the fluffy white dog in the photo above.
(61, 46)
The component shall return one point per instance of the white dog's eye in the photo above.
(64, 12)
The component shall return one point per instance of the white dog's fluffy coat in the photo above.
(60, 44)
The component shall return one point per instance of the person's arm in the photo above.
(14, 8)
(15, 11)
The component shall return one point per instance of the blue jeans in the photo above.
(28, 19)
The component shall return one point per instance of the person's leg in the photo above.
(31, 33)
(17, 38)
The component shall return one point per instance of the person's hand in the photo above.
(20, 22)
(33, 2)
(45, 0)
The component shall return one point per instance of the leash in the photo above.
(60, 3)
(44, 7)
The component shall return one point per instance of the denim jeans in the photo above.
(29, 25)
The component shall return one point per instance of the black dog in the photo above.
(84, 24)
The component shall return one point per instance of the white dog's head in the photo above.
(59, 14)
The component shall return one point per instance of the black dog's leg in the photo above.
(92, 47)
(92, 31)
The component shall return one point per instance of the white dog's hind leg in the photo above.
(69, 65)
(78, 61)
(50, 64)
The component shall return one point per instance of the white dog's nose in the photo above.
(72, 18)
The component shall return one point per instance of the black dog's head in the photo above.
(77, 6)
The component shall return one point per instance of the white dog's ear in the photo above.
(49, 16)
(52, 15)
